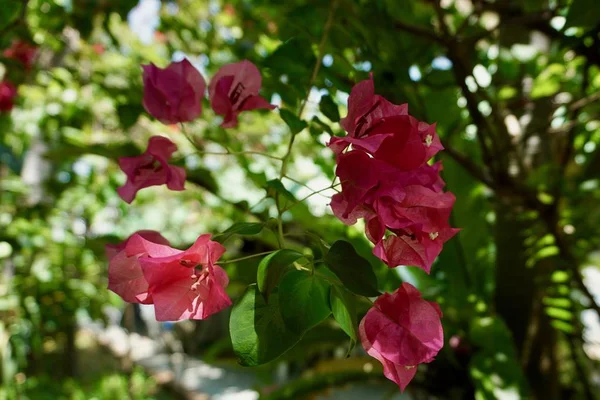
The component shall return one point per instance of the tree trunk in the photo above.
(515, 286)
(518, 300)
(70, 354)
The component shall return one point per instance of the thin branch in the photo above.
(421, 32)
(285, 159)
(246, 257)
(437, 6)
(307, 197)
(313, 77)
(320, 53)
(239, 153)
(475, 170)
(589, 394)
(303, 185)
(584, 101)
(460, 74)
(227, 151)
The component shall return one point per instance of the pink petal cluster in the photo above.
(402, 331)
(8, 92)
(151, 168)
(175, 94)
(180, 284)
(23, 52)
(234, 89)
(386, 179)
(125, 276)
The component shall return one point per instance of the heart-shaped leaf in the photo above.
(292, 121)
(272, 268)
(258, 333)
(240, 228)
(355, 272)
(343, 307)
(303, 300)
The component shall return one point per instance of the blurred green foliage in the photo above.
(513, 86)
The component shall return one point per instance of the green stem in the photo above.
(285, 159)
(246, 258)
(240, 153)
(302, 184)
(280, 237)
(306, 197)
(313, 77)
(227, 152)
(187, 136)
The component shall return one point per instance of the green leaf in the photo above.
(275, 187)
(272, 268)
(10, 159)
(343, 307)
(9, 12)
(583, 13)
(496, 357)
(321, 125)
(355, 272)
(200, 176)
(548, 82)
(129, 114)
(258, 333)
(329, 108)
(292, 121)
(303, 300)
(240, 228)
(294, 58)
(75, 149)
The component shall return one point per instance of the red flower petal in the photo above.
(402, 330)
(234, 89)
(151, 169)
(173, 94)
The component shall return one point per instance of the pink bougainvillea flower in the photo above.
(358, 175)
(413, 247)
(400, 140)
(183, 284)
(113, 249)
(431, 139)
(383, 168)
(173, 94)
(366, 109)
(151, 169)
(21, 51)
(234, 89)
(402, 331)
(385, 130)
(125, 276)
(408, 204)
(365, 179)
(7, 96)
(415, 205)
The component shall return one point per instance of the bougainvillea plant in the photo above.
(387, 179)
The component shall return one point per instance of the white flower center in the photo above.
(433, 235)
(428, 140)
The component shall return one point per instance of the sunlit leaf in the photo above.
(272, 268)
(258, 333)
